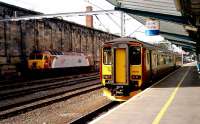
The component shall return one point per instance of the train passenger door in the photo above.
(120, 64)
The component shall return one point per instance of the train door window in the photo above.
(107, 56)
(135, 55)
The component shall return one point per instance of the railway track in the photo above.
(18, 89)
(8, 84)
(23, 99)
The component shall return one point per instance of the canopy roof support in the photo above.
(171, 18)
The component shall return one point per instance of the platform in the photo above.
(173, 100)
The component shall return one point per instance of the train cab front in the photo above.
(120, 77)
(38, 60)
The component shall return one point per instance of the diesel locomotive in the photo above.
(43, 60)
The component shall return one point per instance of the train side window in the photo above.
(161, 60)
(155, 59)
(171, 59)
(164, 59)
(168, 59)
(107, 56)
(135, 55)
(158, 60)
(148, 58)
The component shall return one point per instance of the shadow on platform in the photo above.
(192, 79)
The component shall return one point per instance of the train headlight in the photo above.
(107, 77)
(136, 77)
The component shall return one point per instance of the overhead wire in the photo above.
(88, 1)
(105, 11)
(136, 30)
(102, 23)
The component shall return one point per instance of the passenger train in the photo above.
(128, 65)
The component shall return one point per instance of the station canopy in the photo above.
(176, 23)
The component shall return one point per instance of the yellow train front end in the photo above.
(121, 73)
(38, 61)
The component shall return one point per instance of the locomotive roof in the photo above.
(126, 40)
(52, 52)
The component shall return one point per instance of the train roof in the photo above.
(127, 40)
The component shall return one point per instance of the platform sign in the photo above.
(153, 27)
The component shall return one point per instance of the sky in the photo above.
(103, 22)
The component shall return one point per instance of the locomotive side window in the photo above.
(135, 55)
(107, 56)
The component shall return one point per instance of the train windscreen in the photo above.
(107, 56)
(135, 55)
(36, 57)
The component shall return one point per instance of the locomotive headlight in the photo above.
(136, 77)
(107, 76)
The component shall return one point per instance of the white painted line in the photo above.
(169, 100)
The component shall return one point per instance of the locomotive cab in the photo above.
(121, 70)
(39, 60)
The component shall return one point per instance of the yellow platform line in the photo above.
(169, 101)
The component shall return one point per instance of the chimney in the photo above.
(89, 18)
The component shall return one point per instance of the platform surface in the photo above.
(173, 100)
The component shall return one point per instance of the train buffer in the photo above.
(173, 100)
